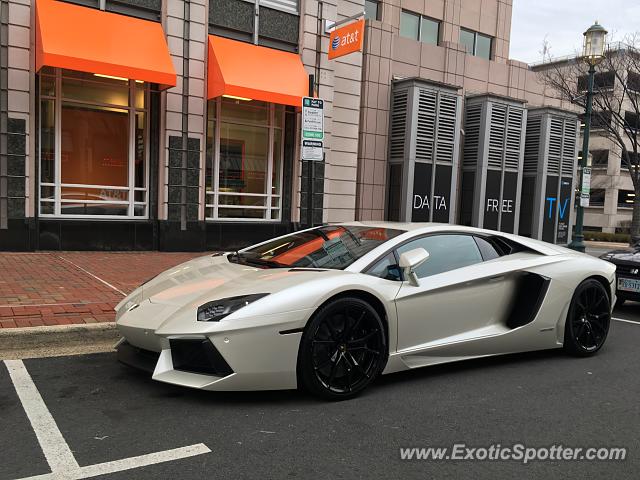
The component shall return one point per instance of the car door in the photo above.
(460, 297)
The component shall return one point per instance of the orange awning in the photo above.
(90, 40)
(249, 71)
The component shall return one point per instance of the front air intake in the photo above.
(198, 356)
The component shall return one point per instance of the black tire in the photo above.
(588, 320)
(342, 350)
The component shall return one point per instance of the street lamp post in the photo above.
(592, 53)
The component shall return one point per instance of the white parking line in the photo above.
(625, 320)
(94, 276)
(54, 447)
(126, 463)
(56, 450)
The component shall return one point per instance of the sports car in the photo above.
(330, 308)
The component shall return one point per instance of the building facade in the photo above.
(175, 124)
(611, 197)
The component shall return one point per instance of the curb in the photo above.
(44, 341)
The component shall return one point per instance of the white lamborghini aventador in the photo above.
(330, 308)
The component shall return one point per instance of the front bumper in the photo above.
(250, 358)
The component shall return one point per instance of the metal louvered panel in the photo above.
(556, 133)
(473, 116)
(426, 124)
(513, 138)
(497, 125)
(569, 148)
(398, 124)
(290, 6)
(532, 144)
(447, 121)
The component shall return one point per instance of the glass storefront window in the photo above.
(93, 146)
(244, 160)
(47, 141)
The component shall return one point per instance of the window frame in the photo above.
(438, 25)
(58, 185)
(413, 14)
(378, 15)
(421, 18)
(600, 166)
(215, 194)
(395, 248)
(475, 43)
(626, 204)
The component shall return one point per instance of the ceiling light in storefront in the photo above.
(233, 97)
(112, 77)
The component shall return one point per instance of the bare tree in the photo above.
(616, 102)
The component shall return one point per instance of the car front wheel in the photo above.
(588, 320)
(343, 349)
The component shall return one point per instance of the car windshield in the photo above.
(334, 247)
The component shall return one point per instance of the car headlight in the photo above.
(218, 309)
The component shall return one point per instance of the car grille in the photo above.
(198, 356)
(627, 270)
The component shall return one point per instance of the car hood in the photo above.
(623, 255)
(211, 278)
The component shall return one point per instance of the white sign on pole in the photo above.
(312, 150)
(585, 189)
(312, 128)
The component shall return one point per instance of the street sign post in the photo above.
(312, 143)
(312, 128)
(585, 188)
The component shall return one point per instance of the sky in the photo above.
(562, 23)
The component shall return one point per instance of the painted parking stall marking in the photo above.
(94, 276)
(625, 320)
(55, 448)
(53, 444)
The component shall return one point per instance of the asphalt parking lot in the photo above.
(110, 416)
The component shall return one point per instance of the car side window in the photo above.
(487, 249)
(386, 268)
(446, 252)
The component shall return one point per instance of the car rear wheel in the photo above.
(588, 319)
(343, 349)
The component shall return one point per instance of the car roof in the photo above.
(425, 227)
(413, 226)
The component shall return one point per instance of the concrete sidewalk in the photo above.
(61, 288)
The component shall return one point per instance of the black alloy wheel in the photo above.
(343, 349)
(588, 319)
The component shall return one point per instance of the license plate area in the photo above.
(629, 284)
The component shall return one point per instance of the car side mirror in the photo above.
(410, 261)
